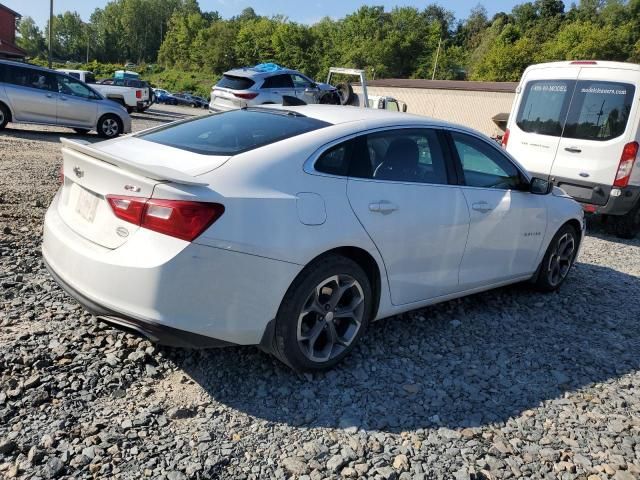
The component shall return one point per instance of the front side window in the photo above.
(484, 166)
(401, 155)
(599, 110)
(69, 86)
(30, 77)
(544, 105)
(300, 82)
(233, 132)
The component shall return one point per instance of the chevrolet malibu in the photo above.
(293, 228)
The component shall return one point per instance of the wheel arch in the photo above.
(110, 114)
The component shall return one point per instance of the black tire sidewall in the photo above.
(543, 281)
(101, 121)
(5, 114)
(285, 337)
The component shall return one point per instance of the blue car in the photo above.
(163, 96)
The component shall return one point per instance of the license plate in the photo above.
(87, 205)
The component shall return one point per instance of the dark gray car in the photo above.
(37, 95)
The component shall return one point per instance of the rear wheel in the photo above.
(323, 315)
(558, 259)
(109, 126)
(4, 116)
(626, 226)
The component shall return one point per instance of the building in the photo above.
(8, 48)
(483, 106)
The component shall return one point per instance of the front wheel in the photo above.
(558, 259)
(109, 126)
(323, 315)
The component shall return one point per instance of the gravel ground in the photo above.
(504, 384)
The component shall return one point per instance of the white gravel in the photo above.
(505, 384)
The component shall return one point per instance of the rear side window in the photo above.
(30, 77)
(235, 83)
(544, 106)
(233, 132)
(278, 81)
(599, 110)
(335, 161)
(89, 78)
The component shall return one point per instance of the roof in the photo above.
(13, 12)
(11, 50)
(585, 64)
(503, 87)
(250, 72)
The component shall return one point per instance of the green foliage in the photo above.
(193, 47)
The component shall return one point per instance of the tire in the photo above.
(109, 126)
(307, 336)
(330, 98)
(626, 226)
(558, 259)
(345, 93)
(81, 131)
(5, 114)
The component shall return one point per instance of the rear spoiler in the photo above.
(155, 172)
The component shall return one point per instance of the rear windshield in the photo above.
(599, 110)
(235, 83)
(544, 105)
(233, 132)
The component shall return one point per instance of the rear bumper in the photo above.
(598, 198)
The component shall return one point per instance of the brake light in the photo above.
(505, 138)
(584, 62)
(138, 93)
(628, 157)
(177, 218)
(246, 96)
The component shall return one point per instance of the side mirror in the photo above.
(540, 186)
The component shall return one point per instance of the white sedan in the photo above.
(293, 228)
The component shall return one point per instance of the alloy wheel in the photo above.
(330, 318)
(561, 259)
(110, 127)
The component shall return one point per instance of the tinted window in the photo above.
(278, 81)
(335, 161)
(69, 86)
(30, 77)
(74, 75)
(599, 110)
(402, 155)
(235, 83)
(484, 166)
(233, 132)
(89, 78)
(544, 106)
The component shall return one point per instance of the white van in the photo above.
(578, 124)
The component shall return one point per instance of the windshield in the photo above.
(233, 132)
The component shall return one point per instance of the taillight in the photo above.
(246, 96)
(505, 138)
(628, 157)
(177, 218)
(138, 93)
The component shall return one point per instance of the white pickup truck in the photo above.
(131, 98)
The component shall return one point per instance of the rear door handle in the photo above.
(573, 149)
(482, 207)
(383, 206)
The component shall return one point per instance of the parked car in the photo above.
(164, 96)
(32, 94)
(190, 100)
(130, 96)
(295, 227)
(266, 84)
(576, 124)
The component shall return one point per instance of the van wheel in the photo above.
(323, 314)
(4, 116)
(558, 259)
(626, 226)
(109, 126)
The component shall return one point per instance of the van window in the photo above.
(599, 110)
(30, 77)
(544, 105)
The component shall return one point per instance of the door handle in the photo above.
(482, 207)
(573, 149)
(383, 206)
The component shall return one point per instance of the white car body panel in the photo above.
(279, 215)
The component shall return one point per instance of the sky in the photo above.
(306, 11)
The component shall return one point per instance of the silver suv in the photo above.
(266, 84)
(32, 94)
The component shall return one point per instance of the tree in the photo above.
(30, 37)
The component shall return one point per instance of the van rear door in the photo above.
(537, 119)
(596, 130)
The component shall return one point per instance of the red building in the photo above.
(8, 48)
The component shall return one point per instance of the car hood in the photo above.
(325, 87)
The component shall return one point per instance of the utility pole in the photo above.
(50, 29)
(435, 65)
(88, 40)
